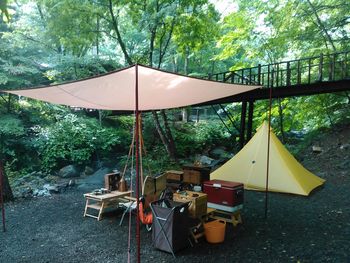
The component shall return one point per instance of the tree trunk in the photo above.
(186, 62)
(280, 113)
(7, 191)
(185, 114)
(165, 134)
(97, 40)
(169, 135)
(322, 26)
(119, 37)
(9, 104)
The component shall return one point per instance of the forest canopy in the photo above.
(45, 42)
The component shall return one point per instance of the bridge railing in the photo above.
(325, 67)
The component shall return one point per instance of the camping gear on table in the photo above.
(195, 174)
(286, 174)
(174, 179)
(153, 187)
(224, 195)
(197, 188)
(198, 202)
(170, 225)
(112, 181)
(215, 231)
(175, 176)
(122, 186)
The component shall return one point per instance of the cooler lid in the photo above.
(222, 183)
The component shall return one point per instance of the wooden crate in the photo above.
(173, 175)
(195, 175)
(112, 181)
(198, 206)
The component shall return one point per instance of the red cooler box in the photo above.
(224, 195)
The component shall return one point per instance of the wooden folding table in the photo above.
(103, 201)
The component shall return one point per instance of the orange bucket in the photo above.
(215, 231)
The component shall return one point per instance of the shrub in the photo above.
(73, 139)
(200, 137)
(11, 129)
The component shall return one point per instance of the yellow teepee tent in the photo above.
(286, 174)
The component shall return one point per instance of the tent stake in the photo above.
(268, 154)
(137, 153)
(2, 196)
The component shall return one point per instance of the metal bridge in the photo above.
(326, 73)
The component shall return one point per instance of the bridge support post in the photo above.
(250, 120)
(243, 123)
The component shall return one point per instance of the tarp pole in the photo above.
(137, 160)
(2, 196)
(268, 154)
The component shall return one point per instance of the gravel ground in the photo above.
(298, 229)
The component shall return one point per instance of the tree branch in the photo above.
(37, 41)
(321, 25)
(119, 38)
(3, 98)
(162, 54)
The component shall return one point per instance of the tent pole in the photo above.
(268, 154)
(2, 196)
(137, 160)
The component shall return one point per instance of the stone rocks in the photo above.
(26, 192)
(205, 160)
(88, 170)
(219, 153)
(71, 183)
(51, 188)
(344, 146)
(69, 171)
(39, 184)
(316, 149)
(42, 192)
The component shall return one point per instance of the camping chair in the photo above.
(128, 207)
(152, 189)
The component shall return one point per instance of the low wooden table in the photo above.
(101, 202)
(234, 218)
(229, 217)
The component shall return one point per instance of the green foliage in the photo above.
(73, 139)
(200, 137)
(268, 31)
(4, 11)
(15, 148)
(12, 172)
(11, 130)
(157, 161)
(70, 67)
(18, 67)
(52, 41)
(10, 126)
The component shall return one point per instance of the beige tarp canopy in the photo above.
(116, 90)
(248, 166)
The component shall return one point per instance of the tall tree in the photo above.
(156, 21)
